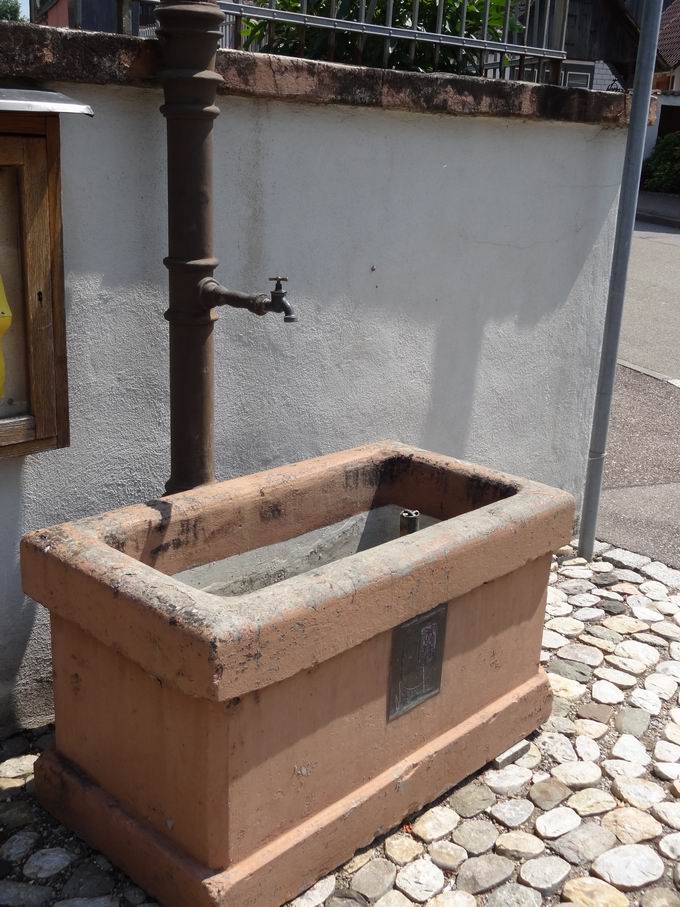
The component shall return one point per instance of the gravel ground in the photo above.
(585, 812)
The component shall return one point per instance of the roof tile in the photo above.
(669, 35)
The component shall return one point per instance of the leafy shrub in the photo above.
(662, 169)
(10, 10)
(348, 47)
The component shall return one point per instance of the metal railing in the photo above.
(511, 39)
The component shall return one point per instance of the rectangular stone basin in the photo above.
(255, 678)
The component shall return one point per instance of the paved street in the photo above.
(651, 326)
(641, 499)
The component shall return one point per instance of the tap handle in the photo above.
(279, 303)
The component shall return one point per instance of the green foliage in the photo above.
(662, 169)
(10, 11)
(347, 47)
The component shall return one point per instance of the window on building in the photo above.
(576, 79)
(33, 384)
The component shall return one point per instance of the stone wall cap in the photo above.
(44, 54)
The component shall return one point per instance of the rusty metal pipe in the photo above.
(189, 33)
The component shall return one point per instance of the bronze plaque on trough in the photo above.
(416, 663)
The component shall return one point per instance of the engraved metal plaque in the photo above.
(416, 663)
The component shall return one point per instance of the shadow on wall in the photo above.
(17, 617)
(524, 338)
(450, 276)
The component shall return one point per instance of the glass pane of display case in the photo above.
(14, 393)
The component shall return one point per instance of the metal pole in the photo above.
(632, 167)
(415, 12)
(438, 29)
(485, 35)
(389, 13)
(190, 32)
(332, 38)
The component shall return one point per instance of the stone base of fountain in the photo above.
(255, 678)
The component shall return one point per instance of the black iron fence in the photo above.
(510, 39)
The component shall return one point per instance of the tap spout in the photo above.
(214, 294)
(279, 300)
(288, 311)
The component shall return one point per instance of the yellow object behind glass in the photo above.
(5, 324)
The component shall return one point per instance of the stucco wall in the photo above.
(664, 99)
(449, 273)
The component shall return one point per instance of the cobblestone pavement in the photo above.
(586, 812)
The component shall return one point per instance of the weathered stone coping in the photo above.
(39, 53)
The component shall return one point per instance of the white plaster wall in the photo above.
(449, 275)
(663, 99)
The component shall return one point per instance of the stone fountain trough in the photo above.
(255, 678)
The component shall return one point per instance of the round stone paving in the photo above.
(589, 815)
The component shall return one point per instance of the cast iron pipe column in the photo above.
(189, 33)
